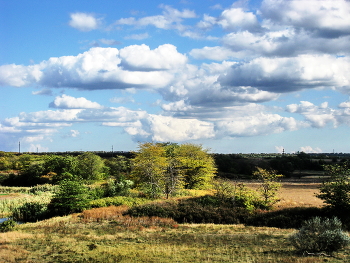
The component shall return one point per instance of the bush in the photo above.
(7, 225)
(72, 197)
(336, 191)
(320, 235)
(30, 212)
(114, 187)
(40, 188)
(117, 201)
(204, 209)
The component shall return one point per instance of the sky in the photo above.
(233, 76)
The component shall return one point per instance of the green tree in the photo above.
(90, 166)
(118, 167)
(336, 191)
(72, 197)
(174, 173)
(149, 167)
(199, 166)
(269, 187)
(168, 167)
(59, 167)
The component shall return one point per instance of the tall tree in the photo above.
(166, 168)
(199, 166)
(90, 166)
(149, 166)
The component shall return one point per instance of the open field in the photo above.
(88, 238)
(105, 235)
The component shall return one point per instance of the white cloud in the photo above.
(290, 74)
(166, 128)
(171, 18)
(84, 22)
(18, 75)
(214, 53)
(279, 149)
(309, 149)
(325, 18)
(100, 68)
(37, 148)
(256, 124)
(68, 102)
(237, 19)
(74, 133)
(141, 57)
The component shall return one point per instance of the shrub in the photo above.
(40, 188)
(30, 212)
(117, 201)
(7, 225)
(114, 187)
(72, 197)
(320, 235)
(193, 210)
(336, 191)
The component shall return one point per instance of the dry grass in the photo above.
(296, 192)
(68, 239)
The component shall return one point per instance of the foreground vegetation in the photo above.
(148, 209)
(104, 235)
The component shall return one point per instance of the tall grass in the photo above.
(71, 239)
(12, 189)
(10, 204)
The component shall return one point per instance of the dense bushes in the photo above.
(72, 197)
(7, 225)
(30, 212)
(204, 209)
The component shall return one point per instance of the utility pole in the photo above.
(19, 147)
(112, 150)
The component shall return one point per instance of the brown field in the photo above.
(297, 192)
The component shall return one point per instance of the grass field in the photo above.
(89, 238)
(104, 235)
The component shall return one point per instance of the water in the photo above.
(3, 219)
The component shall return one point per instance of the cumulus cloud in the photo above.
(290, 74)
(166, 128)
(237, 19)
(309, 149)
(18, 75)
(141, 57)
(320, 116)
(329, 19)
(84, 22)
(68, 102)
(100, 68)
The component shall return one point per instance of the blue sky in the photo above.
(234, 76)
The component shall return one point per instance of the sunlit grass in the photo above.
(7, 205)
(97, 236)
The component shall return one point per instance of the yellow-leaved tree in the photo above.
(165, 168)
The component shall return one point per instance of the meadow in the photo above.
(106, 235)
